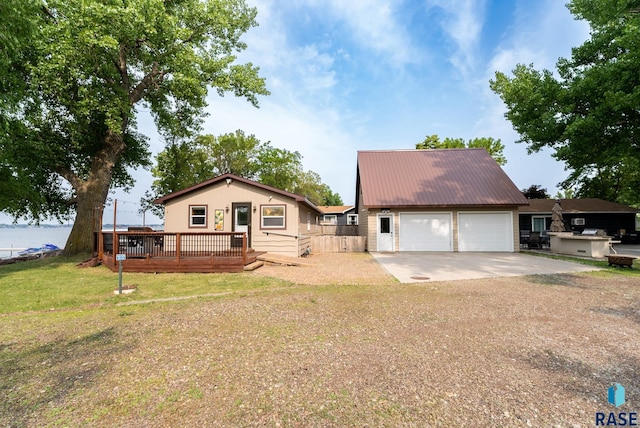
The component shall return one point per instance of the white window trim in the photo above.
(349, 217)
(330, 218)
(193, 216)
(539, 217)
(283, 217)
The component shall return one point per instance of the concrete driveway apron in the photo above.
(427, 266)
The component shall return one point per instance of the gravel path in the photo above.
(332, 269)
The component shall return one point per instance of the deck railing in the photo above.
(172, 247)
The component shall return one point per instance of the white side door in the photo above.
(242, 220)
(385, 228)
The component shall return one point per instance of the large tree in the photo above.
(493, 147)
(187, 163)
(590, 113)
(68, 132)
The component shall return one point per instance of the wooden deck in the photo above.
(176, 252)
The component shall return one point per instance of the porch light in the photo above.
(255, 208)
(227, 207)
(228, 180)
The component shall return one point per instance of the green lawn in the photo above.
(57, 283)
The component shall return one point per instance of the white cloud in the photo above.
(375, 26)
(315, 132)
(463, 23)
(541, 33)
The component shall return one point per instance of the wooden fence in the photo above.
(337, 244)
(339, 230)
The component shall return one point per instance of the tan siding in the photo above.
(303, 243)
(220, 196)
(309, 225)
(312, 227)
(370, 230)
(516, 230)
(363, 221)
(285, 245)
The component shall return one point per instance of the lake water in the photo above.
(21, 236)
(32, 236)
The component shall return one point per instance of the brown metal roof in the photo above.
(436, 178)
(587, 205)
(335, 209)
(164, 199)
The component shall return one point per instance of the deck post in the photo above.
(115, 248)
(178, 239)
(100, 244)
(244, 249)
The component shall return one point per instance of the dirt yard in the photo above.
(527, 351)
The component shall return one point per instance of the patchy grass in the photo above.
(57, 283)
(602, 264)
(515, 351)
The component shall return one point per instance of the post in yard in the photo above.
(120, 258)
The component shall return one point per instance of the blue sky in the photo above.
(383, 74)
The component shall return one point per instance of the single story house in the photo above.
(436, 200)
(580, 214)
(341, 215)
(275, 220)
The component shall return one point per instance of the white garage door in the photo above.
(485, 232)
(425, 232)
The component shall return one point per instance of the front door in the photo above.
(385, 232)
(242, 219)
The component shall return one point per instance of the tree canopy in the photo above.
(72, 78)
(494, 147)
(535, 191)
(187, 163)
(590, 112)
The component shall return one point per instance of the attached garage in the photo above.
(482, 231)
(425, 232)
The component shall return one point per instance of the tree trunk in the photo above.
(91, 196)
(89, 207)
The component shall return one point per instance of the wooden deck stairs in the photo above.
(253, 265)
(278, 259)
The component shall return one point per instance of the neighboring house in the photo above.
(580, 214)
(274, 220)
(436, 200)
(342, 215)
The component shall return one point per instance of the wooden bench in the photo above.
(621, 261)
